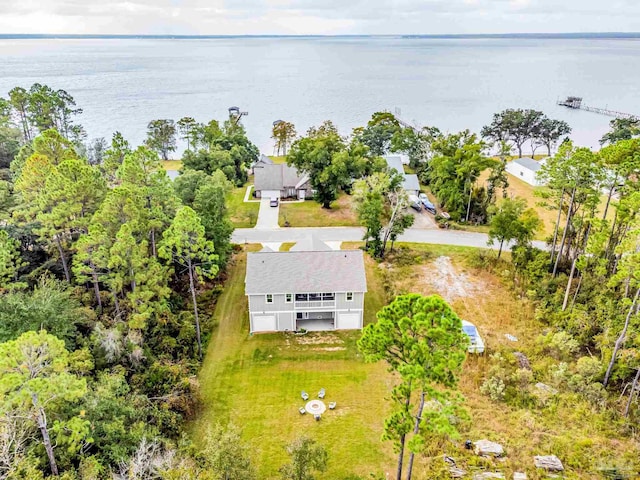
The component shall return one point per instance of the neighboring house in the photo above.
(411, 184)
(404, 159)
(315, 290)
(261, 162)
(281, 181)
(526, 169)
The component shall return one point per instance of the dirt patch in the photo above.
(318, 339)
(450, 284)
(328, 349)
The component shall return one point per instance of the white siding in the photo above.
(523, 173)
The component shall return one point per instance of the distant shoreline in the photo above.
(470, 36)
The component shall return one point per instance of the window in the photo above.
(328, 296)
(349, 296)
(288, 297)
(302, 297)
(269, 298)
(315, 297)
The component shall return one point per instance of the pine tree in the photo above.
(185, 243)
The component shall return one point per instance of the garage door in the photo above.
(270, 194)
(349, 321)
(264, 323)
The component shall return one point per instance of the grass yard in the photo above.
(278, 159)
(243, 214)
(172, 164)
(255, 381)
(519, 188)
(311, 214)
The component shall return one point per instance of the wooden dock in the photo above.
(403, 123)
(576, 104)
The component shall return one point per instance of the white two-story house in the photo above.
(311, 290)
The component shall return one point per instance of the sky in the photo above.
(317, 17)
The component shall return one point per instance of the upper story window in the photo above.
(302, 297)
(349, 296)
(328, 296)
(269, 298)
(288, 297)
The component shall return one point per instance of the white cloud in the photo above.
(315, 16)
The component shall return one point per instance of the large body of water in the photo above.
(450, 83)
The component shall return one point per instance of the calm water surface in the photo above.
(450, 83)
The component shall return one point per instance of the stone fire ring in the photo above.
(315, 407)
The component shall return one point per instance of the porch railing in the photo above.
(316, 304)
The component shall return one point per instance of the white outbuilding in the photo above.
(526, 169)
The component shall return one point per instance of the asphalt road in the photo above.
(355, 234)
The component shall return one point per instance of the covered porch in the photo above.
(315, 321)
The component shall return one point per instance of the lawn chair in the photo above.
(332, 405)
(304, 395)
(321, 393)
(317, 417)
(302, 410)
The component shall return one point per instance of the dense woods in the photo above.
(106, 266)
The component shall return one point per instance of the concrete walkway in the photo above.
(247, 195)
(267, 216)
(355, 234)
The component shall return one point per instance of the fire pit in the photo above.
(315, 407)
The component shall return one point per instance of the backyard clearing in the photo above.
(255, 381)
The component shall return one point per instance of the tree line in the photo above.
(104, 264)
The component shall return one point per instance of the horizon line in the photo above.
(532, 35)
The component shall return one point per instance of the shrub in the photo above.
(559, 345)
(494, 388)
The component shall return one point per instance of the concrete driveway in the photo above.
(422, 219)
(267, 216)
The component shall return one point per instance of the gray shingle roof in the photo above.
(264, 160)
(529, 163)
(394, 162)
(411, 182)
(276, 177)
(305, 272)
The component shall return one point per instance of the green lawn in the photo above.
(255, 381)
(172, 164)
(311, 214)
(286, 246)
(243, 214)
(278, 159)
